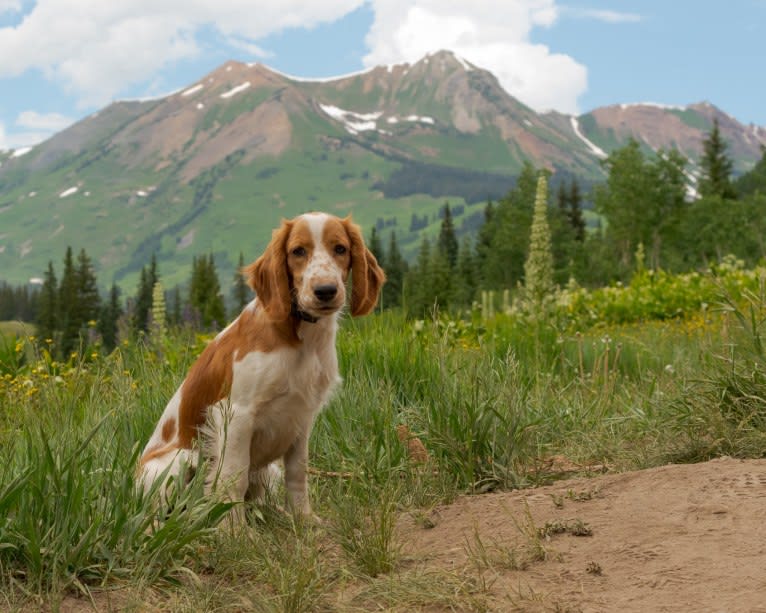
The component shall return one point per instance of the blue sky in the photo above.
(63, 59)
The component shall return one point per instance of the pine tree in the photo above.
(69, 324)
(149, 276)
(484, 241)
(241, 292)
(396, 269)
(503, 266)
(205, 292)
(48, 309)
(562, 198)
(754, 180)
(716, 166)
(538, 268)
(88, 298)
(441, 281)
(467, 276)
(419, 291)
(375, 247)
(576, 219)
(448, 245)
(110, 314)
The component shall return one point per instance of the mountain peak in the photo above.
(445, 58)
(245, 144)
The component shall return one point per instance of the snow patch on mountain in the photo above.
(598, 151)
(464, 63)
(362, 122)
(352, 121)
(656, 105)
(421, 119)
(192, 90)
(235, 90)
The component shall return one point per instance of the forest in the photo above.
(652, 212)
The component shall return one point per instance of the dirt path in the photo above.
(673, 538)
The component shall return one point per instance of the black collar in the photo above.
(302, 315)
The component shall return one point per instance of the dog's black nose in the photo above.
(325, 293)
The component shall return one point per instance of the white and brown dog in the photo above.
(252, 395)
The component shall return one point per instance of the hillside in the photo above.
(213, 167)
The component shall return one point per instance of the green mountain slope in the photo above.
(214, 167)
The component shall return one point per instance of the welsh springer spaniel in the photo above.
(252, 395)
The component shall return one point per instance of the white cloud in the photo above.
(493, 34)
(10, 6)
(602, 15)
(95, 49)
(34, 128)
(51, 122)
(17, 140)
(250, 48)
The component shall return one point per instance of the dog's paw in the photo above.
(235, 520)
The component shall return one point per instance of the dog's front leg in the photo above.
(229, 448)
(296, 482)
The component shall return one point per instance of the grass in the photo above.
(488, 401)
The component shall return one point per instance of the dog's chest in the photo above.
(296, 380)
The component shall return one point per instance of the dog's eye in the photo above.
(299, 252)
(340, 249)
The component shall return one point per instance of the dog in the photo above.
(252, 396)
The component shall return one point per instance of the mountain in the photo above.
(677, 127)
(213, 167)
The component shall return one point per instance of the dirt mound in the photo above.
(673, 538)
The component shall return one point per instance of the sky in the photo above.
(61, 60)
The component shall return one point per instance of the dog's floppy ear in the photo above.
(367, 277)
(268, 275)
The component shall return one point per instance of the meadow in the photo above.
(666, 369)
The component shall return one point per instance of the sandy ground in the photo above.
(675, 538)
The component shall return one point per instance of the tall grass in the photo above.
(491, 401)
(72, 517)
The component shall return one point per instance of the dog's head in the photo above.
(307, 263)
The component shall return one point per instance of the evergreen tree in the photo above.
(79, 300)
(419, 292)
(467, 274)
(754, 180)
(205, 292)
(48, 310)
(538, 268)
(241, 292)
(88, 298)
(441, 281)
(396, 268)
(576, 219)
(18, 303)
(562, 198)
(448, 245)
(69, 323)
(110, 314)
(143, 305)
(504, 262)
(716, 166)
(484, 242)
(375, 247)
